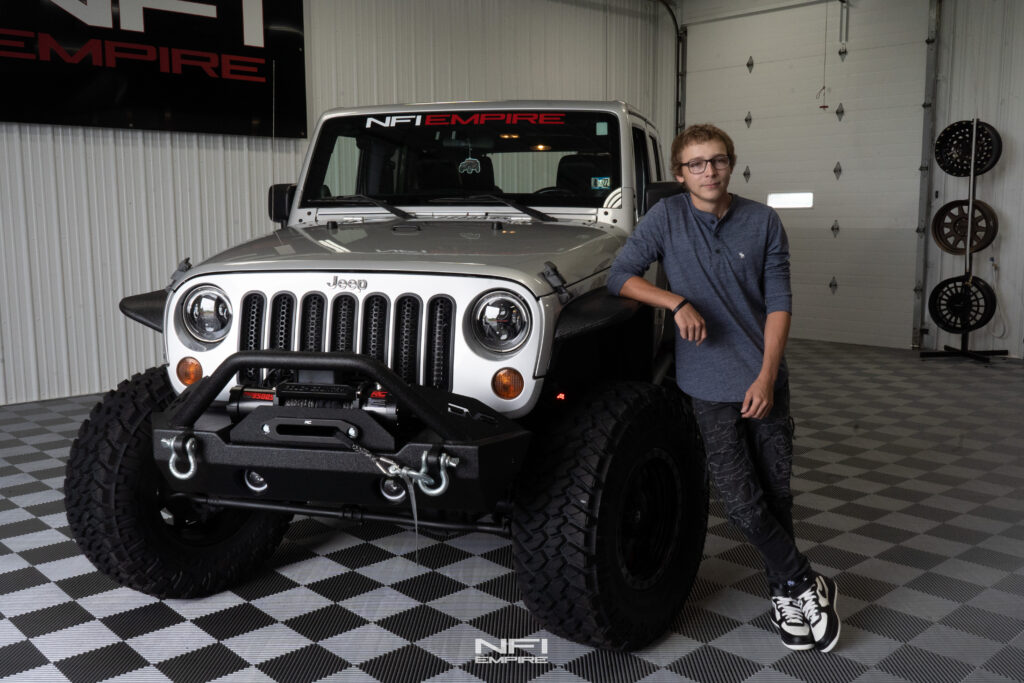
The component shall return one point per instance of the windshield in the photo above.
(541, 158)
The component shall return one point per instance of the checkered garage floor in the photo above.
(910, 480)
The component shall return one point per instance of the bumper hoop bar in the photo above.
(204, 392)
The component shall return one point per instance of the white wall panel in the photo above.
(90, 215)
(792, 145)
(94, 214)
(981, 73)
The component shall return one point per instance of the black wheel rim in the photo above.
(187, 524)
(648, 528)
(192, 525)
(962, 304)
(953, 148)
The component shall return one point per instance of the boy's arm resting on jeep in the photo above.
(643, 248)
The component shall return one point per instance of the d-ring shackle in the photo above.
(182, 447)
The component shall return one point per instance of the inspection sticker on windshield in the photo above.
(600, 183)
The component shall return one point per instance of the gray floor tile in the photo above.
(913, 504)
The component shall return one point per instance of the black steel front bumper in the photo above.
(308, 455)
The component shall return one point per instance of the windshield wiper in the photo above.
(363, 199)
(539, 215)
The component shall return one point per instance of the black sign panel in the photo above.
(213, 66)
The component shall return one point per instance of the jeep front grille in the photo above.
(375, 327)
(405, 359)
(251, 336)
(281, 314)
(312, 329)
(439, 337)
(343, 323)
(420, 337)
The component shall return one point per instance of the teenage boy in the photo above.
(726, 259)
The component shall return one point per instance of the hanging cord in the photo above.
(824, 63)
(999, 319)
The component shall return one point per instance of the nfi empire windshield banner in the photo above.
(217, 66)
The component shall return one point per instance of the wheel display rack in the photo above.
(965, 303)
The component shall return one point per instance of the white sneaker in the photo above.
(818, 604)
(789, 619)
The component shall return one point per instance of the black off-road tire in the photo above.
(610, 518)
(118, 512)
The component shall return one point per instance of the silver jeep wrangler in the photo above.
(426, 340)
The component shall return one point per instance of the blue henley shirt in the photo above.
(735, 271)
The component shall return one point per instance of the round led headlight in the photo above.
(206, 312)
(501, 321)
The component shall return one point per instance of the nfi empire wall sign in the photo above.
(224, 66)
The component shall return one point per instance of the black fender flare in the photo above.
(147, 308)
(594, 310)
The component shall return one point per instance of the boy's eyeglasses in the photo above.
(720, 162)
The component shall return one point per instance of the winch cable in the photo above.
(410, 487)
(394, 469)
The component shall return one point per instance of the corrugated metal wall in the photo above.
(90, 215)
(981, 73)
(793, 145)
(443, 50)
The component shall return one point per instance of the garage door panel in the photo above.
(801, 32)
(851, 217)
(890, 81)
(853, 315)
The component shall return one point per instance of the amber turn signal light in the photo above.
(189, 371)
(507, 383)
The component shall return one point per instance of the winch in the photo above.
(369, 397)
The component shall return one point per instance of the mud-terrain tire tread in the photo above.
(110, 460)
(554, 532)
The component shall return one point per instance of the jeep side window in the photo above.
(659, 170)
(359, 166)
(641, 165)
(340, 177)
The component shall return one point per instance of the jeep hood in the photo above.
(516, 251)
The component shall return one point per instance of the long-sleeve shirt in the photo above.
(735, 271)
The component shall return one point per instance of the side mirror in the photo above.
(658, 191)
(279, 202)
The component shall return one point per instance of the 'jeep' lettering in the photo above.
(339, 283)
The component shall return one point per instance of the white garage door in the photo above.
(793, 145)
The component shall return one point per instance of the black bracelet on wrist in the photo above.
(679, 306)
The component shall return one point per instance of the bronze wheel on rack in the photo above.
(962, 304)
(949, 226)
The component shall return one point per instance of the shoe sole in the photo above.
(795, 646)
(828, 648)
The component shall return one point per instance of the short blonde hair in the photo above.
(696, 134)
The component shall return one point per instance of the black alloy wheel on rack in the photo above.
(949, 226)
(953, 148)
(962, 304)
